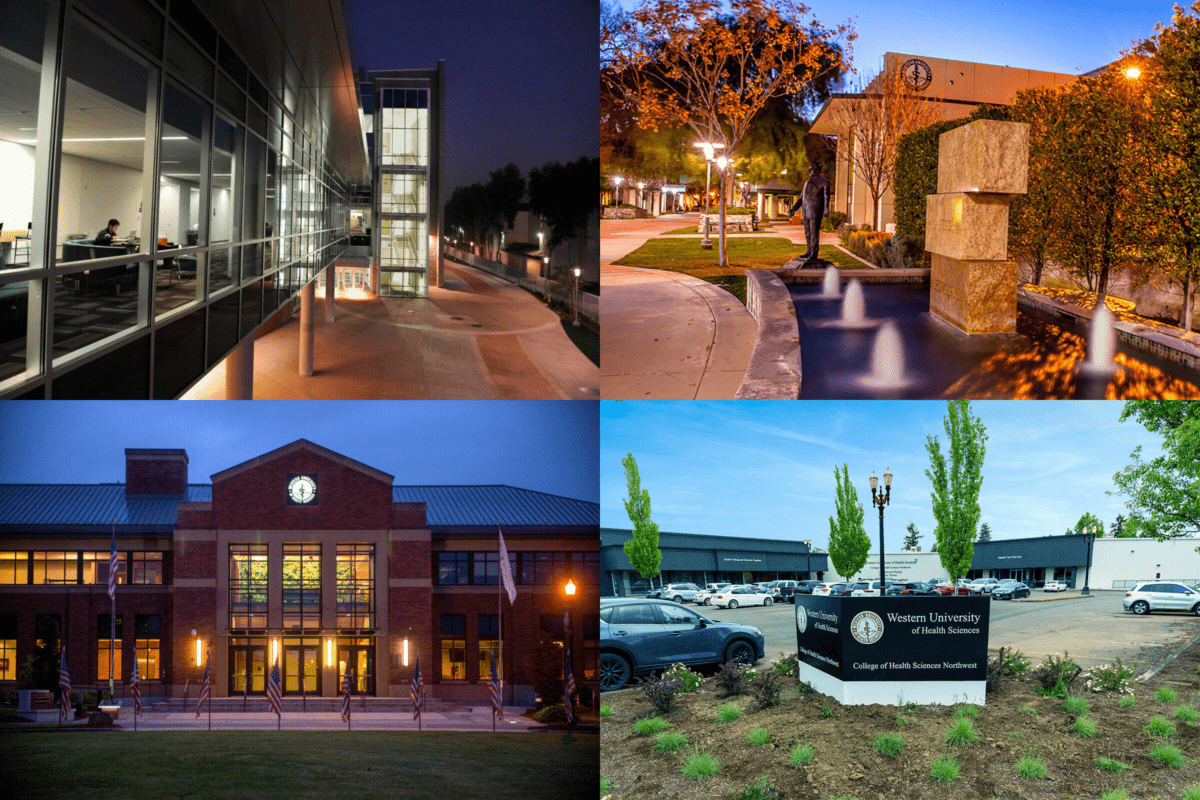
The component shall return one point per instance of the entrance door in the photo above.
(300, 663)
(362, 660)
(248, 669)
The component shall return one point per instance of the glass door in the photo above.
(301, 675)
(247, 669)
(361, 658)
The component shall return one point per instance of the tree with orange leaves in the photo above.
(686, 62)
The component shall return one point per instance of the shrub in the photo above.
(731, 678)
(1127, 701)
(728, 712)
(659, 693)
(962, 732)
(788, 665)
(1164, 753)
(766, 690)
(835, 219)
(606, 709)
(650, 726)
(688, 681)
(1166, 694)
(1007, 665)
(1115, 794)
(964, 711)
(700, 765)
(759, 737)
(1032, 768)
(1086, 727)
(1112, 765)
(1112, 677)
(1076, 705)
(944, 769)
(803, 688)
(867, 245)
(801, 756)
(1192, 792)
(1056, 674)
(554, 713)
(889, 744)
(826, 712)
(1159, 726)
(903, 252)
(761, 789)
(1186, 714)
(670, 742)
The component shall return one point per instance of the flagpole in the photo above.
(112, 697)
(499, 620)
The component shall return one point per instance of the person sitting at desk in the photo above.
(106, 236)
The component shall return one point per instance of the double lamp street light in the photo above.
(881, 499)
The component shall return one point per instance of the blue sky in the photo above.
(1070, 36)
(766, 469)
(548, 446)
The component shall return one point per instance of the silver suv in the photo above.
(677, 592)
(1160, 596)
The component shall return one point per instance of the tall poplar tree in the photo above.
(848, 540)
(956, 486)
(642, 547)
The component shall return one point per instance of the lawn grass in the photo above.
(297, 764)
(759, 252)
(691, 230)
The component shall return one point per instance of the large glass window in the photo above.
(147, 568)
(106, 647)
(14, 567)
(96, 565)
(178, 281)
(489, 646)
(403, 257)
(225, 212)
(301, 586)
(453, 569)
(148, 628)
(247, 586)
(486, 570)
(8, 647)
(403, 193)
(100, 179)
(355, 586)
(55, 567)
(454, 647)
(404, 120)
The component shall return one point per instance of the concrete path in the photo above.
(666, 336)
(479, 337)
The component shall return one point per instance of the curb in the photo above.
(1158, 667)
(774, 372)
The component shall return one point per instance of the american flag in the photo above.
(135, 689)
(346, 695)
(205, 687)
(64, 683)
(506, 577)
(273, 697)
(113, 567)
(497, 702)
(415, 693)
(569, 687)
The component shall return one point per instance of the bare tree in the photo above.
(875, 118)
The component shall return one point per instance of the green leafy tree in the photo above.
(913, 540)
(642, 547)
(1164, 492)
(985, 533)
(565, 196)
(848, 540)
(956, 486)
(1089, 521)
(1117, 529)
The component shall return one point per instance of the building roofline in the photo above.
(303, 444)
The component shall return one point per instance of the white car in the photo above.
(741, 596)
(822, 589)
(866, 589)
(704, 596)
(1055, 586)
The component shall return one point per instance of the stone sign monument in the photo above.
(973, 285)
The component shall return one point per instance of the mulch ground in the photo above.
(845, 764)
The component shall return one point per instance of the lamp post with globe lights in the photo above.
(708, 149)
(575, 299)
(881, 499)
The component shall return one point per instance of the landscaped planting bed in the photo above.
(1026, 745)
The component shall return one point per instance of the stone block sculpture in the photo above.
(973, 285)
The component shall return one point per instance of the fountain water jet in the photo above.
(853, 305)
(1102, 344)
(887, 360)
(831, 289)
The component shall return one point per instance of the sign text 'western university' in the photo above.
(878, 650)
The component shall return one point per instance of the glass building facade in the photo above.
(405, 124)
(228, 166)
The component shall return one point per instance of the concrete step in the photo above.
(259, 704)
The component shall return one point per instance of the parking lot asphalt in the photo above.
(1094, 629)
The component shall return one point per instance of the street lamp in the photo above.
(640, 187)
(1133, 73)
(617, 193)
(881, 500)
(575, 324)
(1091, 534)
(708, 148)
(569, 589)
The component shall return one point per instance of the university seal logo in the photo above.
(866, 627)
(801, 618)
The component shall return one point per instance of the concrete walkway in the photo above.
(663, 335)
(479, 337)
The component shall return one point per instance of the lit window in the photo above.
(247, 586)
(454, 650)
(147, 629)
(489, 647)
(147, 568)
(103, 649)
(14, 567)
(301, 586)
(355, 585)
(96, 564)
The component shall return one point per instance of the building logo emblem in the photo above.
(917, 74)
(866, 627)
(302, 489)
(801, 618)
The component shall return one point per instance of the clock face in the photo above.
(302, 489)
(916, 73)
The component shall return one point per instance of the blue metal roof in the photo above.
(452, 506)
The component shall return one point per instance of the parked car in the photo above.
(842, 590)
(806, 587)
(741, 596)
(704, 596)
(639, 635)
(1161, 596)
(678, 592)
(783, 590)
(983, 585)
(947, 588)
(826, 588)
(910, 589)
(866, 589)
(1008, 590)
(1055, 586)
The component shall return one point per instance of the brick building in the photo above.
(301, 554)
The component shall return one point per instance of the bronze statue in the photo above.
(814, 199)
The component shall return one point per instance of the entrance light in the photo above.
(199, 652)
(570, 588)
(329, 652)
(404, 653)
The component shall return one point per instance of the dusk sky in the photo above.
(548, 446)
(1070, 36)
(766, 469)
(522, 76)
